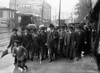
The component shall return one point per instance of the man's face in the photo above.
(15, 32)
(51, 28)
(15, 44)
(42, 30)
(25, 31)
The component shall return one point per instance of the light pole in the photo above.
(15, 13)
(59, 11)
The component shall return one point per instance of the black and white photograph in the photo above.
(49, 36)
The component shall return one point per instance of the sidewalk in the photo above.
(86, 65)
(6, 64)
(10, 69)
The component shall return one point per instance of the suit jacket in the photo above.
(72, 45)
(27, 40)
(12, 39)
(50, 38)
(20, 52)
(77, 38)
(42, 37)
(67, 38)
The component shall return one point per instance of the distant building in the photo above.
(6, 15)
(37, 8)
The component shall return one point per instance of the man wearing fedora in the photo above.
(50, 42)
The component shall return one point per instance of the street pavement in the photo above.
(4, 40)
(86, 65)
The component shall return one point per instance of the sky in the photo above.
(93, 3)
(4, 3)
(66, 7)
(66, 4)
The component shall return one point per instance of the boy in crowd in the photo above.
(20, 53)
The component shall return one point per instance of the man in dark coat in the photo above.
(61, 41)
(42, 41)
(87, 34)
(35, 44)
(27, 40)
(66, 43)
(50, 42)
(14, 37)
(79, 43)
(56, 40)
(72, 43)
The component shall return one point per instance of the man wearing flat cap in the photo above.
(14, 37)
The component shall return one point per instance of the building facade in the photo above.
(6, 15)
(38, 8)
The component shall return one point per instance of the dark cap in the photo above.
(14, 29)
(17, 41)
(51, 26)
(71, 27)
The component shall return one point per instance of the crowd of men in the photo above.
(57, 42)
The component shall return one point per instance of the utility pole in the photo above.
(59, 11)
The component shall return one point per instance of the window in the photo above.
(1, 14)
(11, 14)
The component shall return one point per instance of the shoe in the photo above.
(25, 68)
(40, 62)
(77, 59)
(31, 59)
(50, 61)
(22, 70)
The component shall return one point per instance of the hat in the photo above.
(14, 29)
(27, 29)
(17, 41)
(71, 27)
(51, 26)
(41, 26)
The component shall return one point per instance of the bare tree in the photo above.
(84, 7)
